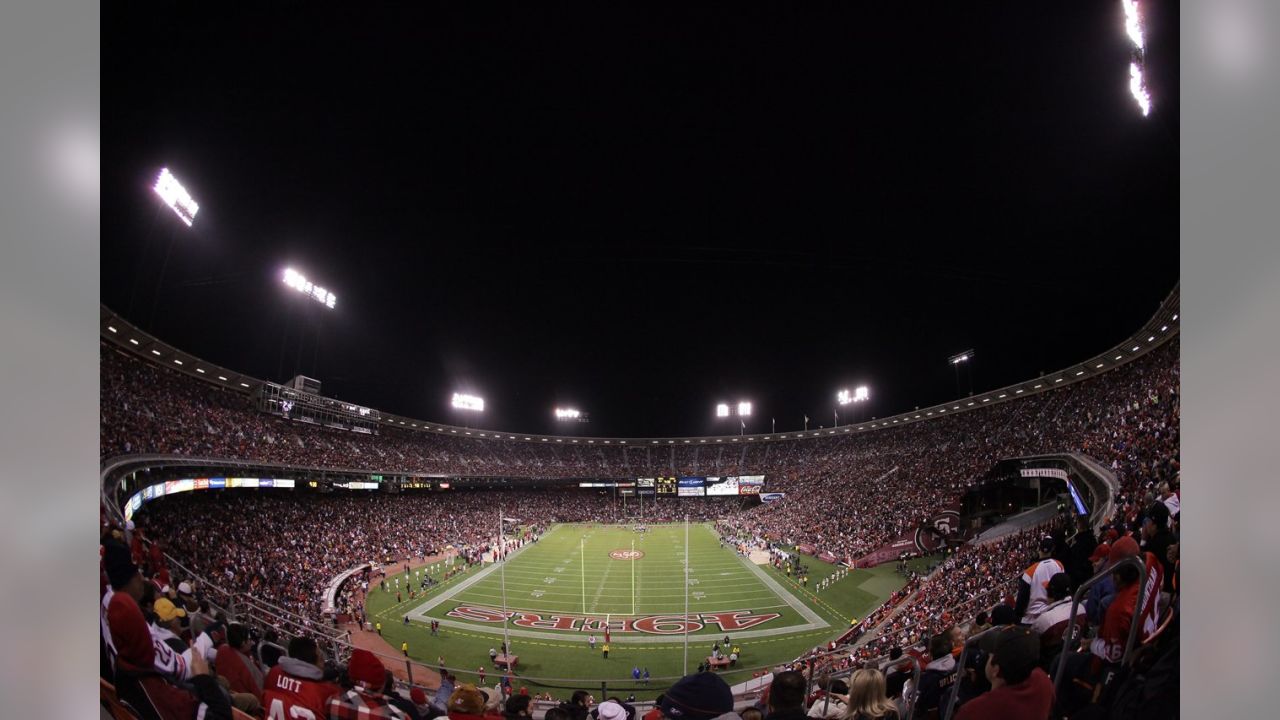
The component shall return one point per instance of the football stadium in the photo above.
(536, 420)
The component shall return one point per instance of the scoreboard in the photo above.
(697, 486)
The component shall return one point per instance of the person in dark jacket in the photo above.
(1156, 539)
(389, 691)
(578, 706)
(938, 675)
(705, 696)
(786, 696)
(517, 708)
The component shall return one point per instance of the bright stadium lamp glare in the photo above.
(1139, 89)
(468, 402)
(299, 282)
(843, 397)
(722, 410)
(861, 393)
(567, 414)
(176, 197)
(1133, 23)
(744, 409)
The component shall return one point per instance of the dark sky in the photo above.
(641, 211)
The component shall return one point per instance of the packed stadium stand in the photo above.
(846, 494)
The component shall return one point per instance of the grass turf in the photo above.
(570, 572)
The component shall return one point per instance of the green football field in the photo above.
(579, 579)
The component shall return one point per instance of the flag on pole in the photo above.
(806, 422)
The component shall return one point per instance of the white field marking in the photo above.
(565, 607)
(600, 586)
(517, 576)
(713, 582)
(545, 569)
(552, 596)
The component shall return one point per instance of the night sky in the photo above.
(637, 211)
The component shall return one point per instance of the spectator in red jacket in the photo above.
(363, 700)
(241, 669)
(137, 681)
(297, 681)
(1019, 689)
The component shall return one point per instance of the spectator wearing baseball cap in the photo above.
(364, 699)
(1101, 592)
(137, 681)
(418, 697)
(1034, 582)
(1019, 689)
(1054, 621)
(705, 696)
(168, 623)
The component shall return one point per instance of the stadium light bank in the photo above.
(859, 394)
(568, 414)
(297, 281)
(468, 402)
(723, 409)
(176, 197)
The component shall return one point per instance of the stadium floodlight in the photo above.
(1132, 23)
(859, 394)
(176, 197)
(468, 402)
(1138, 88)
(722, 410)
(299, 282)
(744, 409)
(958, 358)
(567, 414)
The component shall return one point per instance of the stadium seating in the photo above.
(846, 494)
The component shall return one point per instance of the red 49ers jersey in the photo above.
(285, 697)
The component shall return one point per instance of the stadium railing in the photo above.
(1069, 636)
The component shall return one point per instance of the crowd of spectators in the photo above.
(846, 495)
